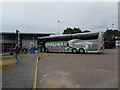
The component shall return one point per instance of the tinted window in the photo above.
(69, 37)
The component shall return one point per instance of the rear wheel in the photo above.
(74, 50)
(81, 50)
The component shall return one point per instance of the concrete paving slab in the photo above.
(20, 75)
(63, 70)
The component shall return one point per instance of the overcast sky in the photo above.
(43, 17)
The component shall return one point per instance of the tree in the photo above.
(77, 30)
(86, 31)
(68, 31)
(111, 32)
(72, 31)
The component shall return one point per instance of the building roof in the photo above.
(13, 33)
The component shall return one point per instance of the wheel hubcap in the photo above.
(74, 51)
(81, 50)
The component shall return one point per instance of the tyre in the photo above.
(74, 50)
(81, 50)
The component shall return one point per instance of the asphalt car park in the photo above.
(66, 70)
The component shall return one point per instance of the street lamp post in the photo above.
(58, 27)
(112, 26)
(18, 36)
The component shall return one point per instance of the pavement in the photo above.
(65, 70)
(20, 75)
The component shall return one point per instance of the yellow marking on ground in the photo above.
(44, 55)
(36, 72)
(35, 75)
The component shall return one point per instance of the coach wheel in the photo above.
(81, 50)
(74, 50)
(46, 50)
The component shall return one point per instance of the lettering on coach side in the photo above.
(55, 43)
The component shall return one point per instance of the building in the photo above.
(117, 41)
(8, 40)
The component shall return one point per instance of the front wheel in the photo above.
(81, 50)
(74, 50)
(46, 50)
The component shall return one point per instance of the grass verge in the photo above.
(7, 58)
(5, 67)
(6, 62)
